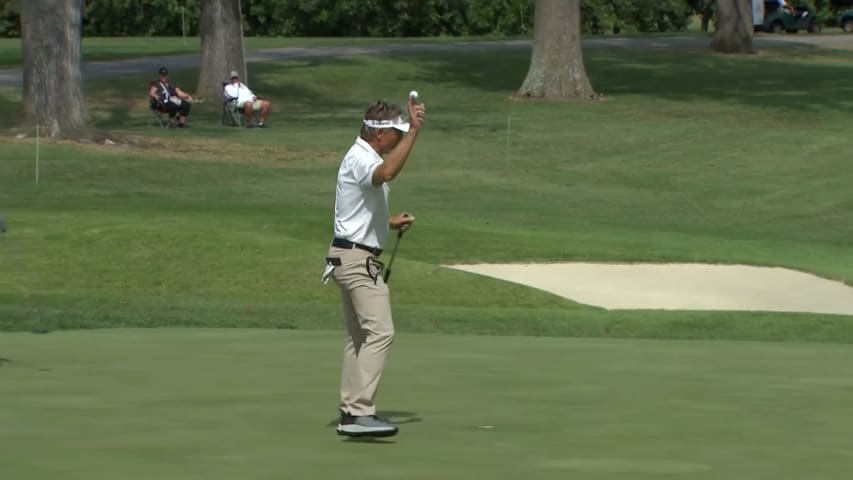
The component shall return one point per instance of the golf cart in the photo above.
(845, 21)
(770, 16)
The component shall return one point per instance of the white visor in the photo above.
(397, 123)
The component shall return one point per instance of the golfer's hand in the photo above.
(417, 111)
(401, 222)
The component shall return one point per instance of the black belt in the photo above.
(342, 243)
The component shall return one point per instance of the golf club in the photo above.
(414, 96)
(393, 254)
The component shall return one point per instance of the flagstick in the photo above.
(508, 126)
(37, 154)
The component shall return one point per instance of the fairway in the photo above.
(225, 404)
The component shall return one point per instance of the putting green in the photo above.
(256, 404)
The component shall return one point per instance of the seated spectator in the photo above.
(247, 101)
(175, 101)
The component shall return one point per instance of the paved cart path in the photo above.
(104, 69)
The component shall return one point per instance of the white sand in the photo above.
(679, 286)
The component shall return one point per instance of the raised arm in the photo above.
(395, 160)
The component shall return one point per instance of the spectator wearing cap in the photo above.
(247, 101)
(175, 101)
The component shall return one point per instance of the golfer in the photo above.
(361, 227)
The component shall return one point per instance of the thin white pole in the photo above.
(37, 154)
(508, 128)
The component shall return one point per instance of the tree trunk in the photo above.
(53, 82)
(556, 66)
(221, 46)
(706, 21)
(734, 27)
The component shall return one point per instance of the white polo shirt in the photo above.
(361, 210)
(241, 92)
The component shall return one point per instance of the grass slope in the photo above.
(689, 157)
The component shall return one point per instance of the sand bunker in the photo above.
(679, 286)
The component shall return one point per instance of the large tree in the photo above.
(556, 66)
(734, 27)
(222, 50)
(53, 82)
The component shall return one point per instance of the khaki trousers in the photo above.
(370, 328)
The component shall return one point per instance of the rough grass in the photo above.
(690, 157)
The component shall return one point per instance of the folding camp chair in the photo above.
(231, 113)
(159, 112)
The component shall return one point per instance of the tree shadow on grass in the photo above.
(793, 78)
(802, 78)
(11, 111)
(321, 102)
(775, 82)
(122, 102)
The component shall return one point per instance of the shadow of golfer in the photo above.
(370, 440)
(400, 417)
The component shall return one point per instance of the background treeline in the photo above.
(386, 18)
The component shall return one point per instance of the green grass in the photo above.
(115, 48)
(689, 157)
(225, 404)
